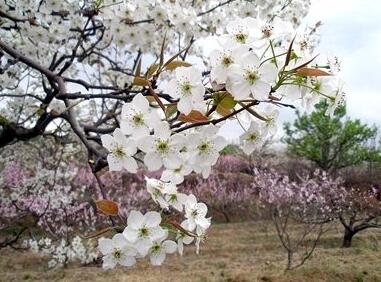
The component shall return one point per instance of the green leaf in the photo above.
(223, 111)
(227, 101)
(171, 110)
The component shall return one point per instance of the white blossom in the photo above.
(137, 117)
(187, 87)
(249, 77)
(160, 248)
(116, 251)
(121, 149)
(142, 230)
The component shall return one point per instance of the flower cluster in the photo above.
(147, 235)
(179, 153)
(312, 199)
(172, 110)
(250, 74)
(64, 251)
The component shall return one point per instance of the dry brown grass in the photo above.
(233, 252)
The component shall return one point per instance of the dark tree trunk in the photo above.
(226, 216)
(347, 240)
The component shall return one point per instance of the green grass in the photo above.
(233, 252)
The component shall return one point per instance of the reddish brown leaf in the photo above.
(193, 117)
(107, 207)
(312, 72)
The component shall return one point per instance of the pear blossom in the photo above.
(319, 87)
(195, 213)
(117, 251)
(303, 46)
(137, 117)
(182, 238)
(253, 138)
(160, 248)
(188, 87)
(337, 100)
(142, 230)
(241, 32)
(204, 147)
(221, 61)
(121, 151)
(201, 233)
(249, 77)
(175, 172)
(274, 30)
(161, 148)
(165, 194)
(271, 114)
(157, 189)
(176, 200)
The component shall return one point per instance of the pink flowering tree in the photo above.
(359, 210)
(47, 191)
(129, 84)
(307, 203)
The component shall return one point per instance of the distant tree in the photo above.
(331, 142)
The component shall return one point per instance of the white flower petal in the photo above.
(152, 219)
(135, 219)
(169, 246)
(141, 102)
(114, 164)
(127, 260)
(130, 164)
(109, 262)
(107, 141)
(105, 246)
(119, 241)
(130, 234)
(157, 258)
(153, 161)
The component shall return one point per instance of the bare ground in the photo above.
(233, 252)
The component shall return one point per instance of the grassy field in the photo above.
(233, 252)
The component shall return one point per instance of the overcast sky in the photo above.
(351, 30)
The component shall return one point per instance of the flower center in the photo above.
(155, 248)
(203, 147)
(178, 170)
(227, 61)
(252, 137)
(138, 119)
(303, 45)
(143, 232)
(186, 88)
(267, 31)
(241, 37)
(117, 253)
(194, 213)
(173, 198)
(251, 76)
(118, 151)
(162, 146)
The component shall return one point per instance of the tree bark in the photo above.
(347, 240)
